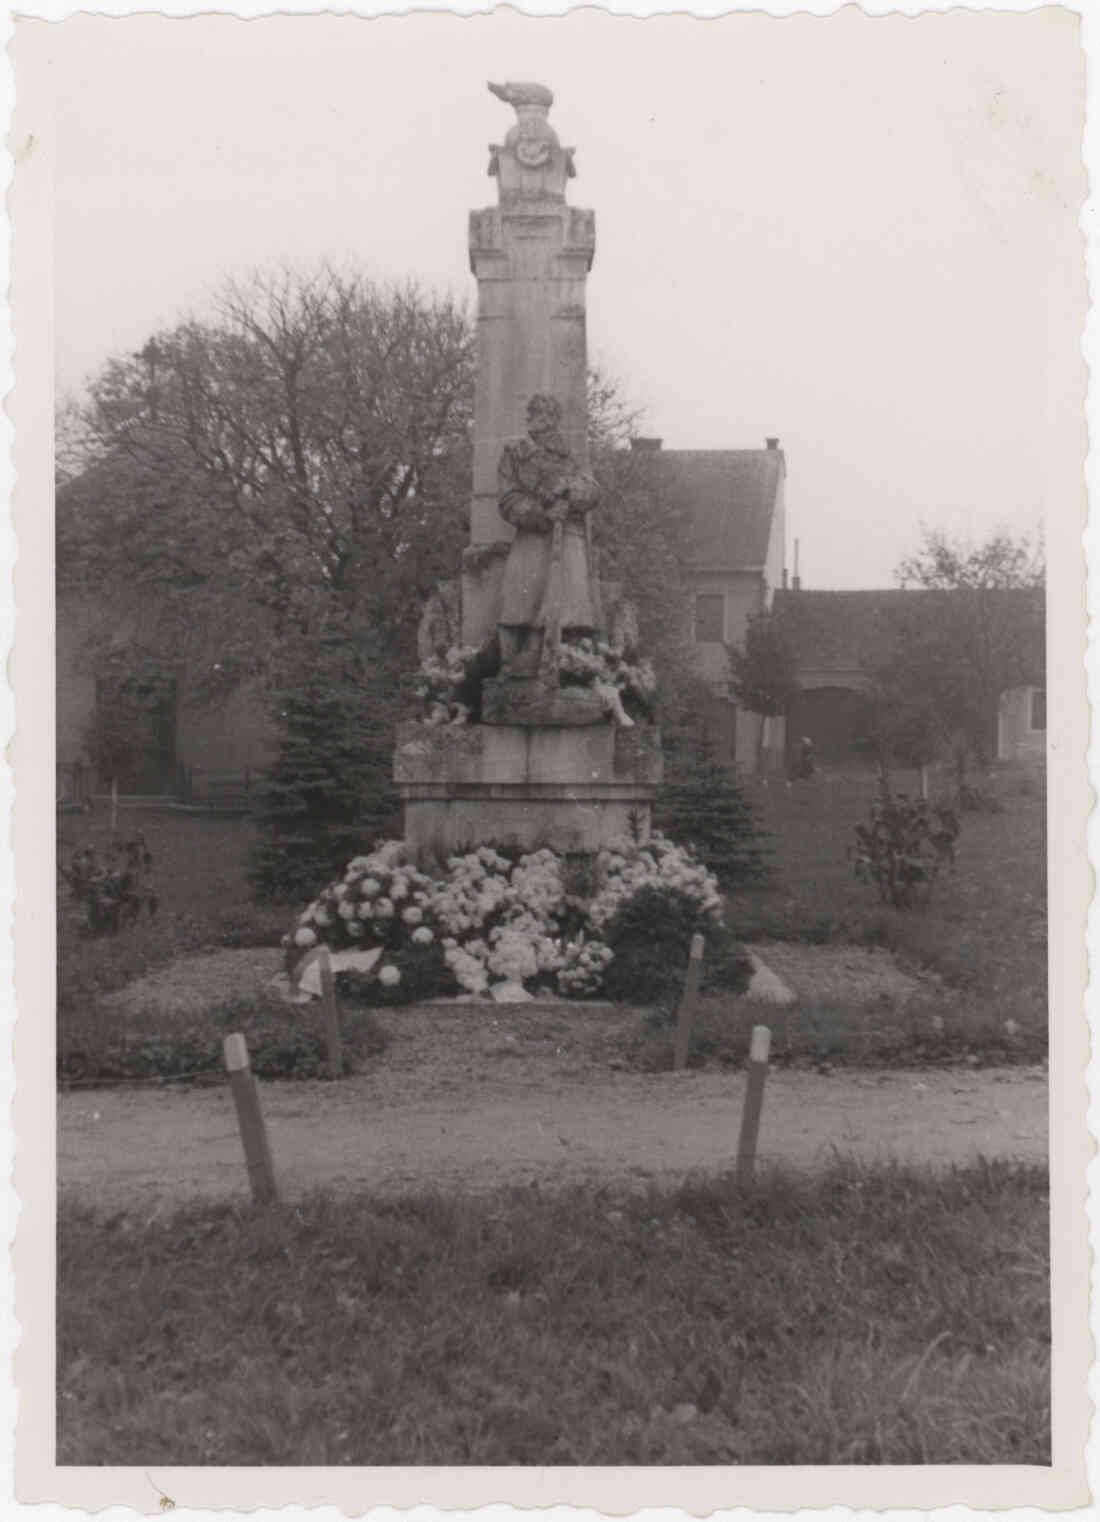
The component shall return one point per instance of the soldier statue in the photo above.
(549, 592)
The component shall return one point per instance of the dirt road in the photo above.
(479, 1124)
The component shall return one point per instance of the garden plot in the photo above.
(829, 974)
(198, 982)
(841, 974)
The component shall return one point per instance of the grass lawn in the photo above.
(199, 865)
(984, 931)
(863, 1317)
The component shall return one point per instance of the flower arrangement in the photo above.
(439, 681)
(495, 921)
(627, 867)
(380, 902)
(625, 681)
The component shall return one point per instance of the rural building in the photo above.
(839, 637)
(732, 501)
(1022, 724)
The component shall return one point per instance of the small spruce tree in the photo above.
(327, 796)
(702, 805)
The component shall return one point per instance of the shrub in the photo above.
(903, 846)
(288, 1040)
(115, 893)
(423, 973)
(284, 1041)
(704, 808)
(650, 937)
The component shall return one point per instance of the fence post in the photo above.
(332, 1015)
(257, 1150)
(688, 1004)
(754, 1102)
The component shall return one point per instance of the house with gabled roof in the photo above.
(732, 502)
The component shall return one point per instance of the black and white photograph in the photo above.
(558, 732)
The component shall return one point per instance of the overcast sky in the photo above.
(857, 234)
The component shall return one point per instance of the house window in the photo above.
(710, 618)
(1038, 708)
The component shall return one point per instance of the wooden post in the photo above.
(257, 1151)
(114, 806)
(332, 1015)
(688, 1004)
(754, 1102)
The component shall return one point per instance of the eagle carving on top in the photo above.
(532, 142)
(523, 94)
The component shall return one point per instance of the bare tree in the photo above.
(302, 451)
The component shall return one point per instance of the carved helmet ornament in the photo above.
(532, 141)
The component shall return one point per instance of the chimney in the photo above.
(784, 578)
(645, 446)
(772, 443)
(796, 579)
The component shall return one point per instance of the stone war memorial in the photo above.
(546, 755)
(529, 866)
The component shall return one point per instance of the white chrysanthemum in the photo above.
(347, 910)
(305, 937)
(383, 909)
(389, 977)
(422, 936)
(412, 915)
(370, 887)
(467, 970)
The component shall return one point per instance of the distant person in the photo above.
(804, 764)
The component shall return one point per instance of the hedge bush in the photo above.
(284, 1041)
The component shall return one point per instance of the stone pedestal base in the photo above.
(570, 788)
(533, 705)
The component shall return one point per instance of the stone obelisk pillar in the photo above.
(546, 767)
(531, 254)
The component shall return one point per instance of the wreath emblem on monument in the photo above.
(533, 152)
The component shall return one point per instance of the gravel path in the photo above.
(123, 1149)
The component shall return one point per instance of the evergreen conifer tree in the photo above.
(328, 795)
(701, 804)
